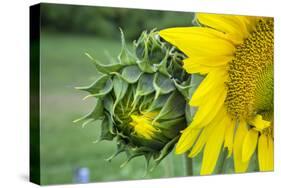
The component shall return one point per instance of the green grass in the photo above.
(65, 145)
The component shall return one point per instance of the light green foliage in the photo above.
(104, 21)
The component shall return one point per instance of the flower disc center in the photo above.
(250, 83)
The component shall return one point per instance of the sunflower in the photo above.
(140, 99)
(234, 101)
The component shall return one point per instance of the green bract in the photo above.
(141, 98)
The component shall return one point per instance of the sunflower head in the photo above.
(250, 83)
(234, 101)
(141, 98)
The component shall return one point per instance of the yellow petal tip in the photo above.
(179, 150)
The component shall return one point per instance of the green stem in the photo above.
(188, 165)
(168, 166)
(221, 168)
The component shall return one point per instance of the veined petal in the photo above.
(251, 22)
(241, 132)
(204, 65)
(206, 132)
(217, 61)
(229, 137)
(270, 153)
(262, 155)
(194, 67)
(187, 140)
(207, 111)
(213, 147)
(234, 26)
(198, 41)
(265, 153)
(249, 145)
(213, 81)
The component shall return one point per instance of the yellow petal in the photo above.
(216, 61)
(229, 135)
(260, 124)
(193, 67)
(265, 153)
(240, 134)
(213, 148)
(205, 65)
(201, 141)
(186, 140)
(262, 149)
(249, 145)
(207, 111)
(198, 41)
(270, 153)
(234, 26)
(212, 82)
(251, 22)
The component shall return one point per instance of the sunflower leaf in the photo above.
(120, 88)
(183, 88)
(131, 74)
(145, 85)
(173, 108)
(125, 57)
(162, 84)
(100, 87)
(106, 130)
(106, 68)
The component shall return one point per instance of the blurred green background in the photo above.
(67, 33)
